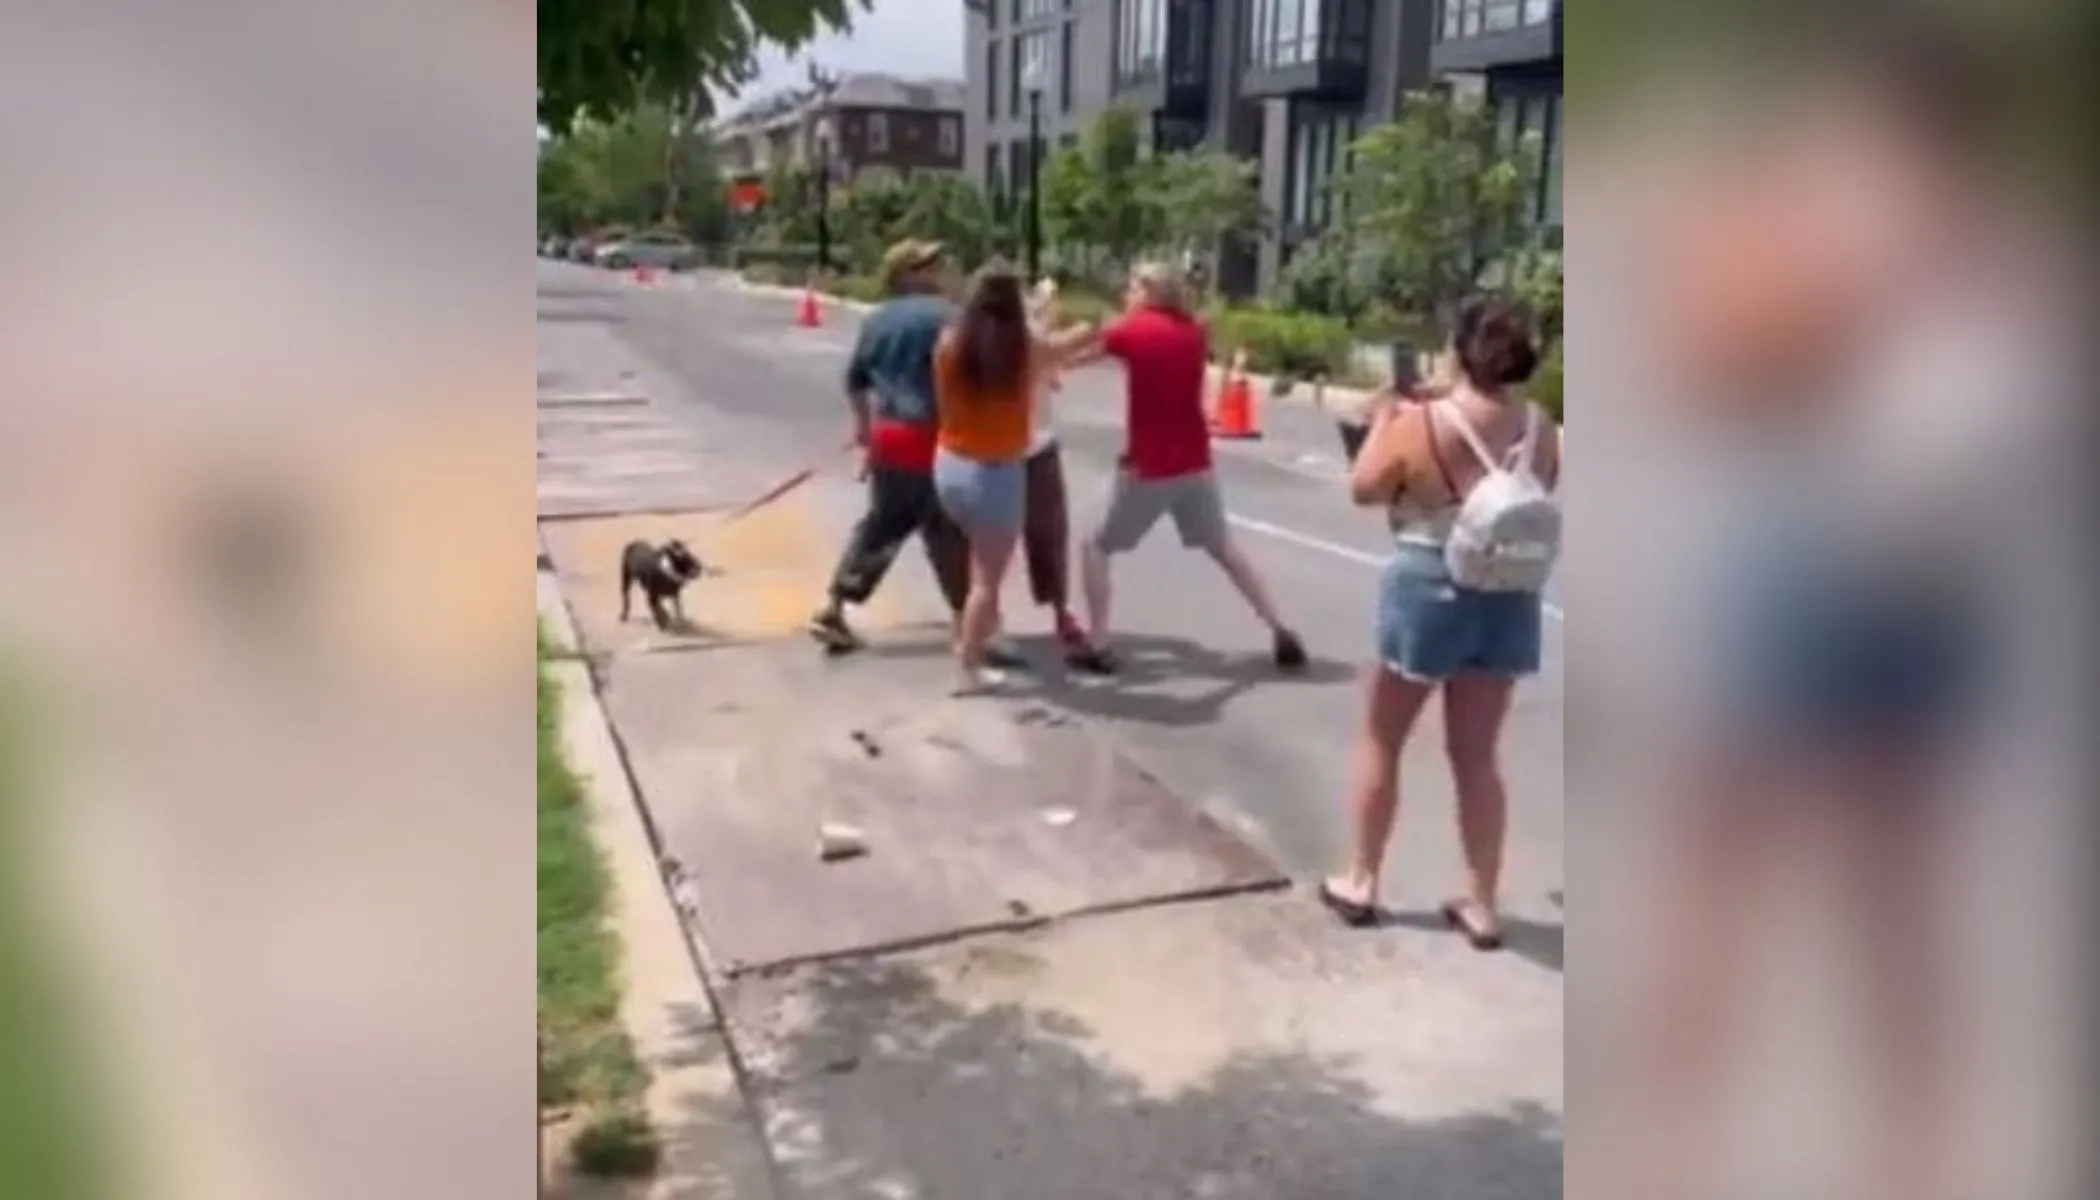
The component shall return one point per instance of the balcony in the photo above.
(1163, 56)
(1480, 35)
(1317, 49)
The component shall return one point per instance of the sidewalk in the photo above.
(1050, 977)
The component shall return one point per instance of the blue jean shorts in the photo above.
(1430, 629)
(986, 498)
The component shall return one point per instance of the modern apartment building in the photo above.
(866, 120)
(1287, 83)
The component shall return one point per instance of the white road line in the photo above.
(1347, 553)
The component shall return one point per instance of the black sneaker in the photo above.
(1001, 657)
(1290, 652)
(1089, 659)
(830, 630)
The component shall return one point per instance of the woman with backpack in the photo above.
(1465, 472)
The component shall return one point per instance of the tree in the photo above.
(1202, 197)
(601, 58)
(1433, 198)
(1099, 195)
(645, 168)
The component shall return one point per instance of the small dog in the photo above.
(662, 573)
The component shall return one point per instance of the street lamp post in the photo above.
(823, 84)
(1035, 174)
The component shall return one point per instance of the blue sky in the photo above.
(905, 37)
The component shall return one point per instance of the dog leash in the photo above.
(785, 486)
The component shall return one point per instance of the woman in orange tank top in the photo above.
(985, 370)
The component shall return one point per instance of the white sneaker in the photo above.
(979, 682)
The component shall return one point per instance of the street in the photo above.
(1198, 721)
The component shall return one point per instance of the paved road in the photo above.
(1270, 757)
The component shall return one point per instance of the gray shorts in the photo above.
(1136, 505)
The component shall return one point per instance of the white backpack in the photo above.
(1505, 536)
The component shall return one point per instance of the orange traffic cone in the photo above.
(809, 316)
(1235, 416)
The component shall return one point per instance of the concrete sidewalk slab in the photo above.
(979, 813)
(711, 1146)
(1244, 1049)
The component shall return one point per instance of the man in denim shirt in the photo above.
(889, 384)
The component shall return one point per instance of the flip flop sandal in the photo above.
(1457, 914)
(1352, 914)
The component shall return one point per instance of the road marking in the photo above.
(1361, 558)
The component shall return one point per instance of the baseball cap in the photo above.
(907, 256)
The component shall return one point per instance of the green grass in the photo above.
(587, 1059)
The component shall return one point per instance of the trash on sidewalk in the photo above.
(836, 841)
(1059, 816)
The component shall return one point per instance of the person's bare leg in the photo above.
(990, 556)
(1248, 581)
(1391, 705)
(1476, 706)
(1094, 581)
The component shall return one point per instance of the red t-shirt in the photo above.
(1166, 357)
(901, 445)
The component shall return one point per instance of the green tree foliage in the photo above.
(601, 58)
(1202, 197)
(1099, 196)
(1433, 198)
(881, 208)
(641, 169)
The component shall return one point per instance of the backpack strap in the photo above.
(1525, 453)
(1471, 436)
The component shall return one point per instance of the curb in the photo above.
(666, 1004)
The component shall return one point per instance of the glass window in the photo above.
(991, 80)
(950, 136)
(1448, 27)
(1309, 29)
(1500, 15)
(1013, 77)
(994, 172)
(1538, 12)
(878, 133)
(1258, 28)
(1064, 70)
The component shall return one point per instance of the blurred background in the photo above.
(266, 507)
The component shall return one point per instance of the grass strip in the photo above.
(587, 1060)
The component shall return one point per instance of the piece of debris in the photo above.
(836, 841)
(1018, 908)
(843, 1063)
(1059, 816)
(867, 744)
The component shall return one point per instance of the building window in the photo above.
(1470, 18)
(1030, 10)
(878, 133)
(1288, 33)
(1064, 68)
(949, 136)
(1141, 39)
(1032, 54)
(994, 174)
(991, 81)
(1319, 152)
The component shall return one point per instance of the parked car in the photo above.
(579, 249)
(658, 248)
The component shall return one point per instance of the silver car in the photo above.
(656, 248)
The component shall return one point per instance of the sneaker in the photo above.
(830, 630)
(1002, 656)
(1290, 652)
(980, 682)
(1089, 659)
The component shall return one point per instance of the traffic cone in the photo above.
(645, 274)
(1235, 416)
(809, 316)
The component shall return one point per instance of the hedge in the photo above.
(1289, 345)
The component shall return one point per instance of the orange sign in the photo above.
(747, 194)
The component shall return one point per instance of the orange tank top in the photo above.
(987, 425)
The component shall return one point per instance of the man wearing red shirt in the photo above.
(1166, 465)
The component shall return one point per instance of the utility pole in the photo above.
(822, 85)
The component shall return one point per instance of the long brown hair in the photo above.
(992, 338)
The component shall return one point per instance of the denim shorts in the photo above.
(1430, 629)
(986, 498)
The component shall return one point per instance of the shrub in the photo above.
(1546, 385)
(1286, 344)
(764, 272)
(858, 287)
